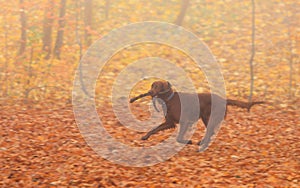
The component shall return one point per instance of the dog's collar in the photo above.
(155, 98)
(171, 96)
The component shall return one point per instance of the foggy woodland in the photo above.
(256, 44)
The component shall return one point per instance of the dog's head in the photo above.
(160, 88)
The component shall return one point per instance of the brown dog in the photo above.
(164, 91)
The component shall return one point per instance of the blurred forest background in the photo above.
(42, 42)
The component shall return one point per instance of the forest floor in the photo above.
(41, 146)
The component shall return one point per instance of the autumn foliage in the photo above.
(42, 42)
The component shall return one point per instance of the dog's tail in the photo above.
(242, 104)
(138, 97)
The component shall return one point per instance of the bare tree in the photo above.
(180, 17)
(291, 59)
(5, 52)
(252, 52)
(23, 20)
(77, 27)
(61, 26)
(107, 5)
(48, 22)
(289, 22)
(88, 16)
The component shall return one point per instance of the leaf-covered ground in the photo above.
(41, 146)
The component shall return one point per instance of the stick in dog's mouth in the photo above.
(144, 95)
(140, 96)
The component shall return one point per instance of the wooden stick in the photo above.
(138, 97)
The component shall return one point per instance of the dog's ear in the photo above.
(169, 85)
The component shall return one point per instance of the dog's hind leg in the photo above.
(205, 118)
(211, 130)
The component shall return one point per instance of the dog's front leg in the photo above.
(163, 126)
(183, 128)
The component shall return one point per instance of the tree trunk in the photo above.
(88, 16)
(23, 20)
(48, 22)
(291, 11)
(60, 32)
(6, 56)
(180, 17)
(252, 52)
(77, 29)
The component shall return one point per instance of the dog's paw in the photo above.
(203, 145)
(202, 142)
(144, 138)
(189, 142)
(185, 141)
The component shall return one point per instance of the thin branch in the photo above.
(180, 17)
